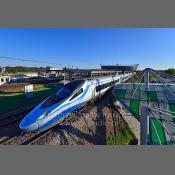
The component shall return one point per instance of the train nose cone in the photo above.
(27, 125)
(24, 123)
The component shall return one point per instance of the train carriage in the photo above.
(70, 97)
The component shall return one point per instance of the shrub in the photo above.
(124, 137)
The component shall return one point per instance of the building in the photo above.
(51, 72)
(32, 74)
(69, 73)
(78, 73)
(114, 69)
(120, 68)
(4, 79)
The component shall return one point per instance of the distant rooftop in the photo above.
(119, 67)
(116, 67)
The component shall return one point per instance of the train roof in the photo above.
(93, 79)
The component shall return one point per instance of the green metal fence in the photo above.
(156, 132)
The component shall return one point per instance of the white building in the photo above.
(51, 72)
(4, 79)
(34, 74)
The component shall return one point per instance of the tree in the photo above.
(21, 69)
(170, 71)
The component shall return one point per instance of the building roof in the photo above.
(120, 67)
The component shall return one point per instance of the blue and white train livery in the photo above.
(70, 97)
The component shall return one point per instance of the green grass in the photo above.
(152, 96)
(134, 106)
(121, 93)
(172, 108)
(160, 132)
(124, 137)
(14, 101)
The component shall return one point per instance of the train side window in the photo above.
(77, 94)
(102, 86)
(106, 85)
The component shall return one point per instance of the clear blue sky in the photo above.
(88, 48)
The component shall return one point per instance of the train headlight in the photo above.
(44, 115)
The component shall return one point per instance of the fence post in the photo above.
(146, 79)
(144, 126)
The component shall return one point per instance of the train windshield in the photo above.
(63, 93)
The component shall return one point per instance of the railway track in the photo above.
(71, 118)
(8, 122)
(9, 119)
(31, 138)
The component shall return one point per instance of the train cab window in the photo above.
(77, 94)
(63, 93)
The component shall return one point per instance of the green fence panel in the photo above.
(172, 108)
(134, 106)
(157, 137)
(152, 96)
(121, 93)
(134, 86)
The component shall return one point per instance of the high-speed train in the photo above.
(70, 97)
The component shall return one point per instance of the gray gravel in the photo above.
(92, 127)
